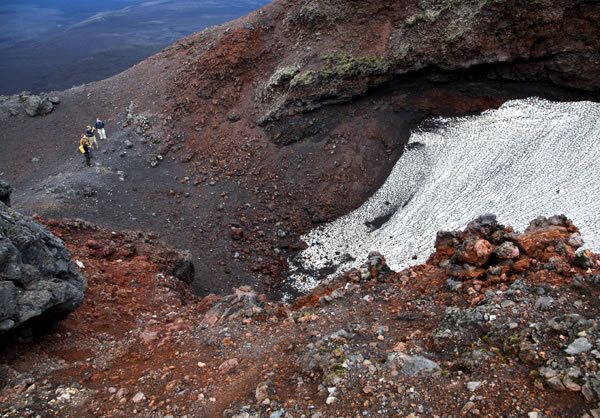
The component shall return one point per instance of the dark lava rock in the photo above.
(183, 267)
(38, 280)
(244, 302)
(5, 191)
(233, 117)
(484, 225)
(237, 233)
(35, 105)
(584, 260)
(32, 105)
(46, 107)
(507, 251)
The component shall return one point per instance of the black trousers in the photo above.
(88, 159)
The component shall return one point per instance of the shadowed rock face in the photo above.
(37, 277)
(547, 40)
(5, 190)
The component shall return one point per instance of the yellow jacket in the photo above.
(83, 141)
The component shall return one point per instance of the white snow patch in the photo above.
(528, 158)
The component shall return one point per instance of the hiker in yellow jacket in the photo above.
(84, 148)
(91, 136)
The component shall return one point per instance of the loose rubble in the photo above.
(38, 280)
(514, 335)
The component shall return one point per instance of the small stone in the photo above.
(587, 391)
(555, 383)
(467, 407)
(584, 260)
(148, 337)
(507, 251)
(201, 365)
(33, 105)
(475, 252)
(580, 345)
(263, 391)
(46, 107)
(543, 303)
(237, 233)
(454, 285)
(570, 384)
(228, 365)
(330, 400)
(278, 414)
(473, 386)
(411, 365)
(575, 240)
(138, 397)
(547, 372)
(308, 318)
(128, 143)
(233, 117)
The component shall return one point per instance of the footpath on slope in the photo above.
(495, 323)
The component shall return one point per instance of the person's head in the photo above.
(97, 119)
(89, 127)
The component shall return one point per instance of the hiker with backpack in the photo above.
(100, 128)
(91, 136)
(84, 148)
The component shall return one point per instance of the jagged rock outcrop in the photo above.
(35, 105)
(486, 250)
(38, 280)
(550, 40)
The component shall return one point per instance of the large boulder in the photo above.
(38, 280)
(36, 105)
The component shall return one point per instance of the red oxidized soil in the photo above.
(141, 330)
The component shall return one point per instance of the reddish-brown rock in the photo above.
(475, 252)
(536, 241)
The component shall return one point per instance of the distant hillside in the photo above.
(54, 46)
